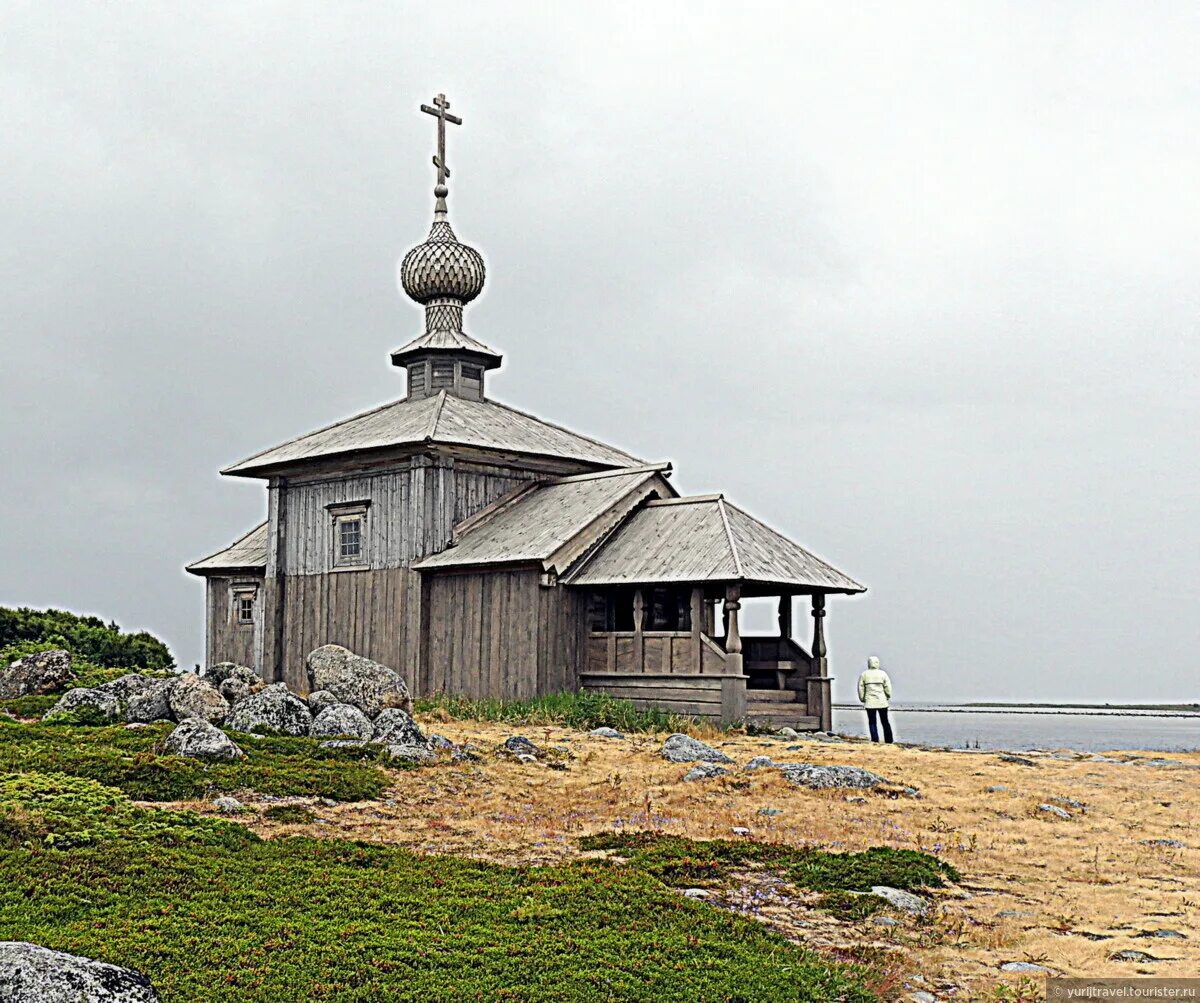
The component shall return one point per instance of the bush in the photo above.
(87, 637)
(128, 759)
(572, 710)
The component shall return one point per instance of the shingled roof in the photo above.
(441, 419)
(536, 523)
(705, 539)
(247, 553)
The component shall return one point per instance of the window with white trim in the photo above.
(244, 597)
(349, 535)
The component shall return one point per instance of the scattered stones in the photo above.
(271, 710)
(829, 777)
(33, 675)
(239, 683)
(32, 974)
(787, 733)
(705, 771)
(900, 899)
(605, 733)
(1054, 810)
(353, 679)
(342, 719)
(695, 893)
(417, 754)
(196, 738)
(1070, 803)
(141, 698)
(228, 805)
(1023, 966)
(191, 696)
(342, 743)
(1008, 757)
(997, 789)
(1173, 844)
(103, 706)
(685, 749)
(921, 996)
(1128, 955)
(1015, 914)
(1163, 934)
(395, 727)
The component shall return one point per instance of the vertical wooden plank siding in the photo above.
(228, 640)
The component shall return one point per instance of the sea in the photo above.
(1016, 728)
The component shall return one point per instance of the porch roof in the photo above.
(706, 539)
(247, 553)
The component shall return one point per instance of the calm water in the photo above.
(1031, 728)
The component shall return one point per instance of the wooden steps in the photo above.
(782, 708)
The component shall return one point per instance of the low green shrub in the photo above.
(87, 637)
(853, 907)
(129, 759)
(676, 860)
(59, 811)
(572, 710)
(291, 813)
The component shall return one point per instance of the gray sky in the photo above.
(917, 284)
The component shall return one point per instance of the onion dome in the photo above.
(442, 268)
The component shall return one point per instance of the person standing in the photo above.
(874, 693)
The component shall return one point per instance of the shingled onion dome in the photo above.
(443, 275)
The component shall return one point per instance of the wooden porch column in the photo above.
(820, 703)
(733, 685)
(639, 642)
(785, 633)
(696, 612)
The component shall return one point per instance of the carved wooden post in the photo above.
(733, 685)
(820, 703)
(785, 617)
(639, 616)
(782, 651)
(696, 613)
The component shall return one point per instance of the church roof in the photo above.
(705, 539)
(444, 341)
(441, 419)
(248, 553)
(539, 520)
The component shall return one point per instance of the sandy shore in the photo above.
(1064, 893)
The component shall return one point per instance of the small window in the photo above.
(243, 605)
(349, 535)
(416, 379)
(443, 375)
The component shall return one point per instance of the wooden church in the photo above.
(482, 551)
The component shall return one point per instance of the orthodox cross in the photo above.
(440, 112)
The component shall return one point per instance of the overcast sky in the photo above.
(918, 284)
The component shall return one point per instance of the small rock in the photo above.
(516, 746)
(1132, 956)
(787, 733)
(605, 733)
(695, 893)
(770, 811)
(32, 974)
(740, 830)
(342, 743)
(705, 771)
(1163, 934)
(1008, 757)
(394, 726)
(997, 789)
(855, 799)
(240, 682)
(80, 701)
(191, 696)
(1173, 844)
(1022, 966)
(228, 805)
(1015, 914)
(214, 675)
(36, 674)
(885, 921)
(418, 754)
(196, 738)
(1054, 810)
(921, 996)
(318, 700)
(900, 899)
(342, 719)
(273, 710)
(1070, 803)
(685, 749)
(761, 762)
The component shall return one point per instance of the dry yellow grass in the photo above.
(1069, 882)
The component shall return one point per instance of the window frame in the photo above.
(341, 515)
(238, 593)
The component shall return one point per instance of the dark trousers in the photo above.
(881, 713)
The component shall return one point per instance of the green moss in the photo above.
(30, 706)
(128, 759)
(853, 907)
(337, 922)
(678, 861)
(572, 710)
(291, 813)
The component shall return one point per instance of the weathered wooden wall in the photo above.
(717, 697)
(228, 640)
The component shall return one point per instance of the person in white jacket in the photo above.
(875, 692)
